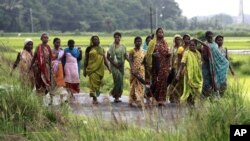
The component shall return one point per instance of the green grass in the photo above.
(23, 117)
(84, 41)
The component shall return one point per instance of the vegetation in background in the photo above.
(23, 117)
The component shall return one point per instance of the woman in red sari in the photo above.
(158, 57)
(41, 64)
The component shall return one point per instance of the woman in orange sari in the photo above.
(57, 69)
(57, 54)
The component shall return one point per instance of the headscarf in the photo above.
(177, 36)
(151, 47)
(27, 40)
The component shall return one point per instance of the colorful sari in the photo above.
(42, 69)
(159, 69)
(26, 75)
(118, 56)
(95, 69)
(57, 67)
(136, 87)
(214, 69)
(175, 90)
(71, 77)
(192, 76)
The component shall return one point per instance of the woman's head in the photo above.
(148, 38)
(159, 33)
(219, 40)
(95, 40)
(192, 45)
(28, 44)
(117, 37)
(57, 42)
(209, 36)
(137, 42)
(44, 38)
(186, 39)
(71, 43)
(178, 40)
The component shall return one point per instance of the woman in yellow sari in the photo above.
(94, 66)
(136, 56)
(191, 60)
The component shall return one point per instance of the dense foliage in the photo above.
(82, 15)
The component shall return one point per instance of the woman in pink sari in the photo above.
(71, 74)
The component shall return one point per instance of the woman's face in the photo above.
(192, 46)
(138, 43)
(29, 46)
(186, 40)
(209, 38)
(45, 38)
(57, 43)
(219, 41)
(117, 39)
(160, 33)
(95, 41)
(148, 40)
(177, 41)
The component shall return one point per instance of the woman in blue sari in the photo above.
(214, 66)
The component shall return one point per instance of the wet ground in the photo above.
(122, 112)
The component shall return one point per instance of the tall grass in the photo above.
(23, 117)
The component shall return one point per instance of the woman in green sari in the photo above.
(116, 55)
(191, 61)
(94, 66)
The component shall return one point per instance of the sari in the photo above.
(26, 75)
(95, 69)
(42, 69)
(175, 90)
(118, 56)
(214, 69)
(159, 68)
(57, 67)
(192, 76)
(71, 77)
(136, 87)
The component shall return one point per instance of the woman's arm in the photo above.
(106, 62)
(18, 58)
(111, 61)
(180, 71)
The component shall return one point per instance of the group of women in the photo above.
(181, 73)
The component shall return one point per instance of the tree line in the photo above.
(96, 15)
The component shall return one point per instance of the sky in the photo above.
(191, 8)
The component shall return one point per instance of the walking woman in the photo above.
(158, 59)
(214, 67)
(219, 40)
(71, 77)
(116, 55)
(94, 66)
(147, 40)
(23, 61)
(42, 66)
(57, 67)
(191, 61)
(175, 89)
(136, 56)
